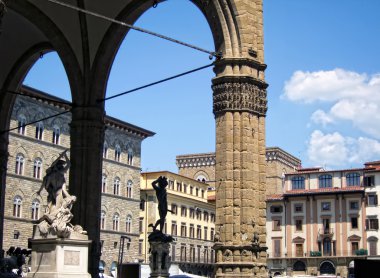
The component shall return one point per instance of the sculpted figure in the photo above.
(159, 186)
(58, 214)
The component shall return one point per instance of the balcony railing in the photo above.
(326, 232)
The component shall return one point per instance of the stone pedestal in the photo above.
(59, 258)
(159, 259)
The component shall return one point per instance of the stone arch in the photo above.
(202, 174)
(327, 267)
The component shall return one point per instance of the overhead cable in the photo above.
(217, 55)
(156, 82)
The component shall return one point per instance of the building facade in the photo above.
(32, 149)
(201, 167)
(192, 222)
(322, 221)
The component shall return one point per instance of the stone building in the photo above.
(323, 221)
(33, 148)
(192, 222)
(201, 167)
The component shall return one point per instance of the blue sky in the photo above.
(323, 73)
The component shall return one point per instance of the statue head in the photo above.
(163, 181)
(60, 164)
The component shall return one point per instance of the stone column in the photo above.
(240, 106)
(87, 136)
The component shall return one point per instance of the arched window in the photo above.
(117, 152)
(39, 130)
(37, 168)
(353, 179)
(128, 224)
(299, 266)
(103, 220)
(129, 189)
(298, 182)
(35, 210)
(21, 125)
(104, 183)
(130, 156)
(116, 186)
(105, 150)
(325, 181)
(102, 265)
(115, 222)
(113, 267)
(19, 169)
(56, 134)
(17, 201)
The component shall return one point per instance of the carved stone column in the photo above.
(240, 106)
(87, 136)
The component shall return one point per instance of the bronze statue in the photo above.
(162, 201)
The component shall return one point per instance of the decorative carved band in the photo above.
(240, 96)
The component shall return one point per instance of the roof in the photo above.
(64, 104)
(319, 191)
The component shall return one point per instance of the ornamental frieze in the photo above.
(239, 96)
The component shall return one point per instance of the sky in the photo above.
(323, 73)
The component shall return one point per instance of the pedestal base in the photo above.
(159, 259)
(59, 258)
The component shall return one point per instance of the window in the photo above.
(277, 248)
(196, 191)
(198, 212)
(104, 183)
(212, 216)
(325, 181)
(19, 169)
(183, 211)
(298, 224)
(199, 232)
(183, 230)
(116, 186)
(115, 222)
(105, 150)
(353, 179)
(202, 193)
(128, 224)
(212, 234)
(117, 153)
(103, 220)
(298, 207)
(205, 231)
(141, 247)
(326, 225)
(354, 247)
(130, 156)
(129, 189)
(21, 126)
(299, 250)
(173, 252)
(174, 209)
(198, 254)
(35, 210)
(354, 222)
(183, 253)
(369, 181)
(192, 253)
(171, 184)
(37, 168)
(56, 134)
(142, 205)
(276, 225)
(191, 213)
(372, 242)
(371, 200)
(17, 201)
(141, 224)
(354, 205)
(191, 190)
(212, 256)
(298, 182)
(39, 130)
(372, 224)
(205, 216)
(205, 255)
(174, 228)
(326, 206)
(179, 186)
(191, 230)
(276, 209)
(184, 188)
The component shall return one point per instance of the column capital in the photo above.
(239, 94)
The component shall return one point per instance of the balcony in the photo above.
(326, 232)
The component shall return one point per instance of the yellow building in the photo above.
(192, 222)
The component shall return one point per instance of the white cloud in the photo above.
(320, 117)
(333, 149)
(354, 97)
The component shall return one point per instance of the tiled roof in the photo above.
(322, 191)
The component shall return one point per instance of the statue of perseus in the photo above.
(57, 217)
